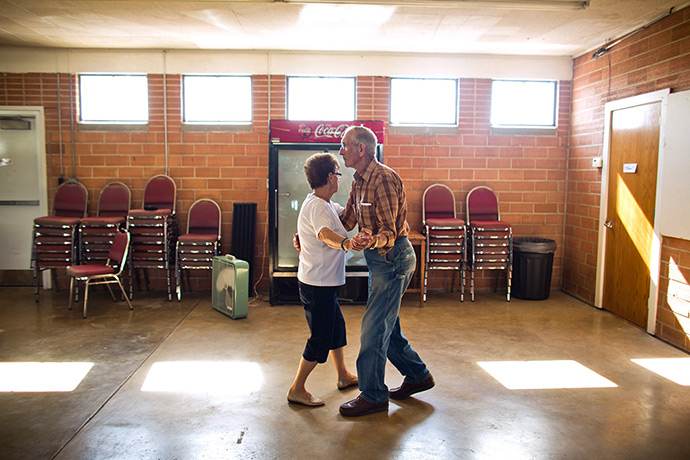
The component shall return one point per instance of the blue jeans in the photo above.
(381, 337)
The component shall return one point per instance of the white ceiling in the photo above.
(266, 25)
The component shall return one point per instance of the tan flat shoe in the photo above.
(312, 401)
(344, 384)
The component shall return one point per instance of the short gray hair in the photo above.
(366, 136)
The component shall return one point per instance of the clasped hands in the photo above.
(362, 240)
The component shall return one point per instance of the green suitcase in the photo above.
(230, 289)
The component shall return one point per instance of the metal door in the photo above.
(22, 183)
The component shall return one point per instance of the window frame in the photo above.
(201, 123)
(111, 123)
(456, 104)
(354, 97)
(526, 128)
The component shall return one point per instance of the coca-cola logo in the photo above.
(304, 130)
(330, 132)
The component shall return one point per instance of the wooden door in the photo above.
(632, 177)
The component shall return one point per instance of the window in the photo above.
(424, 101)
(523, 104)
(321, 98)
(217, 99)
(113, 99)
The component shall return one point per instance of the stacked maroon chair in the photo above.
(107, 273)
(197, 247)
(55, 237)
(445, 234)
(96, 233)
(491, 238)
(153, 230)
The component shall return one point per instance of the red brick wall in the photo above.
(526, 171)
(673, 314)
(655, 58)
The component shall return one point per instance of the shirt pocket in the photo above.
(366, 214)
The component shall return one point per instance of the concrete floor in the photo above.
(243, 414)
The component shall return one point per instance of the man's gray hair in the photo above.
(365, 136)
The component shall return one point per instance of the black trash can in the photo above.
(532, 265)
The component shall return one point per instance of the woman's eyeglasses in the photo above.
(337, 174)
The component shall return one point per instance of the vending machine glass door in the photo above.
(292, 190)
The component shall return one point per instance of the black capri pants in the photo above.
(325, 320)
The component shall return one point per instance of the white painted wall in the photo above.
(21, 60)
(673, 196)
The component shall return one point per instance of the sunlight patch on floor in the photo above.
(675, 369)
(541, 375)
(217, 377)
(36, 377)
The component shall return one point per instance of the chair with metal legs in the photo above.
(55, 237)
(491, 239)
(107, 273)
(154, 231)
(96, 233)
(197, 247)
(445, 235)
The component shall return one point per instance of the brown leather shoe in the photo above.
(408, 389)
(360, 406)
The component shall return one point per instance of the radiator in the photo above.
(244, 234)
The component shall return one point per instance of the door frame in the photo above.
(655, 262)
(39, 114)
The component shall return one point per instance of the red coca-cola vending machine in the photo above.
(291, 143)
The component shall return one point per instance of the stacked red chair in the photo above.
(197, 247)
(96, 233)
(107, 273)
(491, 238)
(55, 239)
(445, 235)
(153, 231)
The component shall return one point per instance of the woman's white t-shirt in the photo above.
(320, 265)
